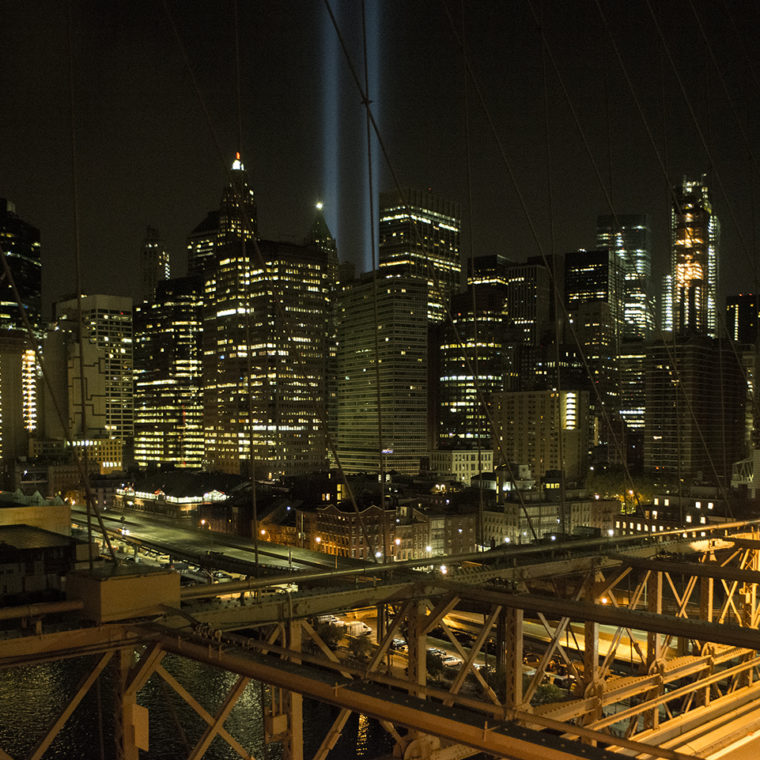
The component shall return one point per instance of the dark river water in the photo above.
(32, 697)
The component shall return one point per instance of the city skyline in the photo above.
(146, 154)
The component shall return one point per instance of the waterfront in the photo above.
(32, 697)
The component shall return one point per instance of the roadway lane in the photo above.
(188, 543)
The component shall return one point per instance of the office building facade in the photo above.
(168, 395)
(420, 237)
(265, 330)
(627, 235)
(695, 423)
(547, 430)
(383, 357)
(474, 362)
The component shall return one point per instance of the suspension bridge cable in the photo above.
(376, 331)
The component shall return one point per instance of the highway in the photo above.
(190, 544)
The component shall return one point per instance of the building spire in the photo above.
(237, 214)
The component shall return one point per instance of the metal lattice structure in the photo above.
(646, 653)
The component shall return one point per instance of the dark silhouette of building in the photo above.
(20, 243)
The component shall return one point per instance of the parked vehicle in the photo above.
(357, 628)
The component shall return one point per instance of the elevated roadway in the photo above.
(190, 544)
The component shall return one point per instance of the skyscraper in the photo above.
(594, 295)
(383, 340)
(20, 243)
(529, 300)
(320, 236)
(202, 243)
(265, 329)
(419, 237)
(692, 431)
(167, 357)
(236, 219)
(154, 263)
(18, 398)
(265, 333)
(488, 270)
(96, 394)
(742, 317)
(695, 233)
(474, 362)
(628, 236)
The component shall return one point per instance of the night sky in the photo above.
(149, 150)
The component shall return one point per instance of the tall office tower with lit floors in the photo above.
(168, 393)
(420, 237)
(475, 361)
(265, 329)
(19, 375)
(627, 235)
(383, 375)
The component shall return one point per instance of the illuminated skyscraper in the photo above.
(419, 237)
(628, 236)
(265, 333)
(594, 295)
(320, 236)
(529, 300)
(18, 398)
(236, 219)
(167, 356)
(21, 244)
(695, 233)
(488, 270)
(265, 341)
(474, 362)
(742, 317)
(154, 262)
(385, 340)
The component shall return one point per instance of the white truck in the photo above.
(357, 628)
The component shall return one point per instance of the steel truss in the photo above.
(647, 657)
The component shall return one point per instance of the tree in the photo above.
(434, 663)
(360, 647)
(330, 633)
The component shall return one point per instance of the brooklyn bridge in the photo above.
(641, 646)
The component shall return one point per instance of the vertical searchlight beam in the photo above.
(331, 153)
(372, 22)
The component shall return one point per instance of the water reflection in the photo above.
(32, 697)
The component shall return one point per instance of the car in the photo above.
(450, 661)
